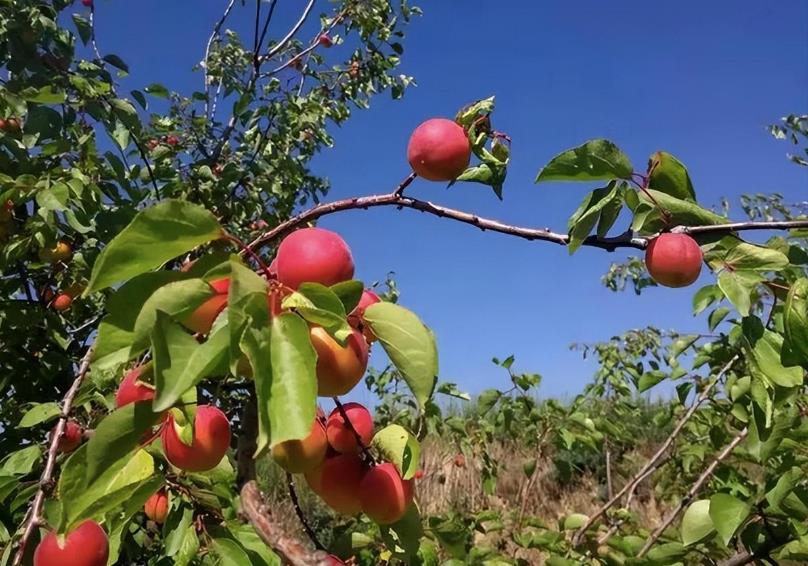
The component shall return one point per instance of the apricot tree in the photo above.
(200, 323)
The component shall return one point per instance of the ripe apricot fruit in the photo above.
(156, 507)
(62, 302)
(439, 150)
(357, 316)
(337, 481)
(133, 389)
(60, 252)
(209, 444)
(86, 545)
(301, 456)
(71, 437)
(674, 260)
(384, 495)
(339, 368)
(314, 255)
(202, 319)
(341, 437)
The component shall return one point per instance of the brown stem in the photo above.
(652, 463)
(694, 489)
(626, 240)
(290, 550)
(369, 460)
(34, 516)
(244, 248)
(290, 482)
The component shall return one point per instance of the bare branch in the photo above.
(290, 550)
(213, 37)
(657, 459)
(33, 518)
(694, 489)
(288, 37)
(311, 47)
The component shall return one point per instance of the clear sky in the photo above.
(699, 79)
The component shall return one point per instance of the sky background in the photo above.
(698, 79)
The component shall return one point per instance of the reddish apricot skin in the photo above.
(384, 495)
(87, 3)
(71, 437)
(325, 41)
(314, 255)
(156, 507)
(439, 150)
(301, 456)
(339, 368)
(337, 481)
(86, 545)
(357, 316)
(62, 302)
(340, 437)
(674, 260)
(202, 319)
(209, 445)
(132, 389)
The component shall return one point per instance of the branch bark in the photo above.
(398, 200)
(33, 518)
(693, 491)
(656, 459)
(290, 550)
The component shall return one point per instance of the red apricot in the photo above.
(156, 507)
(341, 437)
(87, 3)
(325, 41)
(72, 435)
(62, 302)
(673, 259)
(209, 445)
(301, 456)
(86, 545)
(202, 319)
(172, 140)
(339, 368)
(132, 389)
(314, 255)
(384, 495)
(357, 316)
(337, 481)
(439, 150)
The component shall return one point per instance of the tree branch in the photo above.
(398, 200)
(692, 491)
(291, 551)
(34, 516)
(656, 459)
(213, 37)
(288, 37)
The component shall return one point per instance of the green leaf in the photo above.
(116, 61)
(596, 160)
(487, 400)
(649, 379)
(319, 305)
(230, 553)
(349, 292)
(668, 175)
(398, 446)
(409, 344)
(680, 212)
(84, 28)
(748, 257)
(763, 349)
(738, 286)
(177, 299)
(587, 215)
(727, 514)
(116, 332)
(293, 392)
(40, 413)
(157, 90)
(209, 358)
(696, 522)
(575, 521)
(22, 462)
(795, 322)
(116, 436)
(156, 235)
(716, 317)
(405, 535)
(45, 95)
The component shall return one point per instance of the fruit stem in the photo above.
(290, 482)
(368, 457)
(246, 249)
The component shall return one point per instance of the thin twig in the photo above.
(649, 466)
(34, 516)
(214, 37)
(290, 482)
(292, 32)
(311, 47)
(364, 449)
(694, 489)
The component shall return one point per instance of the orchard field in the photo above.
(192, 371)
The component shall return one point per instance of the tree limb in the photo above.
(694, 489)
(290, 550)
(33, 518)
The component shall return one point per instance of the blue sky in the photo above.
(698, 79)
